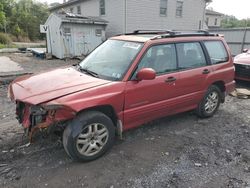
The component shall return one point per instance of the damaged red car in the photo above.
(127, 81)
(242, 66)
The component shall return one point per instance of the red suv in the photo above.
(127, 81)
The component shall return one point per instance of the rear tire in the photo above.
(210, 102)
(89, 136)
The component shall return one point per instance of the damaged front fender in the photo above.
(38, 117)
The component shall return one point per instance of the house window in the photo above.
(66, 31)
(215, 21)
(163, 7)
(79, 10)
(102, 7)
(71, 10)
(179, 8)
(98, 32)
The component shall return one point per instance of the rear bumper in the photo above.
(230, 87)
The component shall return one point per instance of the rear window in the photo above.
(216, 51)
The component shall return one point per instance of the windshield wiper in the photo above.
(89, 72)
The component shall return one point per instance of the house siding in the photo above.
(88, 8)
(129, 15)
(114, 13)
(146, 15)
(115, 17)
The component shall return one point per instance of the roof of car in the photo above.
(146, 35)
(135, 38)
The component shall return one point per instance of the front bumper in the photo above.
(242, 72)
(34, 117)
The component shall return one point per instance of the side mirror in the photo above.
(146, 74)
(245, 50)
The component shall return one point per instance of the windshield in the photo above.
(111, 59)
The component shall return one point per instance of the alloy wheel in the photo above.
(212, 101)
(92, 139)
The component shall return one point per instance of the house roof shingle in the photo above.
(211, 12)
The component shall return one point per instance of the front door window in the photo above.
(161, 58)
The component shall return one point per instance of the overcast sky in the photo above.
(238, 8)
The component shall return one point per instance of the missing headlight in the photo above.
(37, 115)
(37, 110)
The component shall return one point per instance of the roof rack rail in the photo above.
(171, 33)
(150, 32)
(203, 31)
(193, 31)
(189, 33)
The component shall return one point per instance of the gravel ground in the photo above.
(177, 151)
(31, 64)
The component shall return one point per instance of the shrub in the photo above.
(23, 39)
(13, 38)
(20, 38)
(4, 39)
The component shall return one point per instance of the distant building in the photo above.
(213, 19)
(70, 35)
(129, 15)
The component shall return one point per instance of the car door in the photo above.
(148, 99)
(194, 72)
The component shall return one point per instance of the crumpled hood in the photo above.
(243, 58)
(50, 85)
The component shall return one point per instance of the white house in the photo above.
(213, 19)
(129, 15)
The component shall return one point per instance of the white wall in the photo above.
(54, 36)
(114, 13)
(144, 14)
(211, 21)
(115, 17)
(83, 39)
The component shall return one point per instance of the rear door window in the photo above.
(216, 51)
(190, 55)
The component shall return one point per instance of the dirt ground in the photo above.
(177, 151)
(31, 64)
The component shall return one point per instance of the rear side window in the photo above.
(216, 51)
(190, 55)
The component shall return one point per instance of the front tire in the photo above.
(210, 102)
(89, 136)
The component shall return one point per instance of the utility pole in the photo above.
(244, 37)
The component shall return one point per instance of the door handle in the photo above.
(206, 71)
(170, 79)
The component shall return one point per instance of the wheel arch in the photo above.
(108, 110)
(221, 85)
